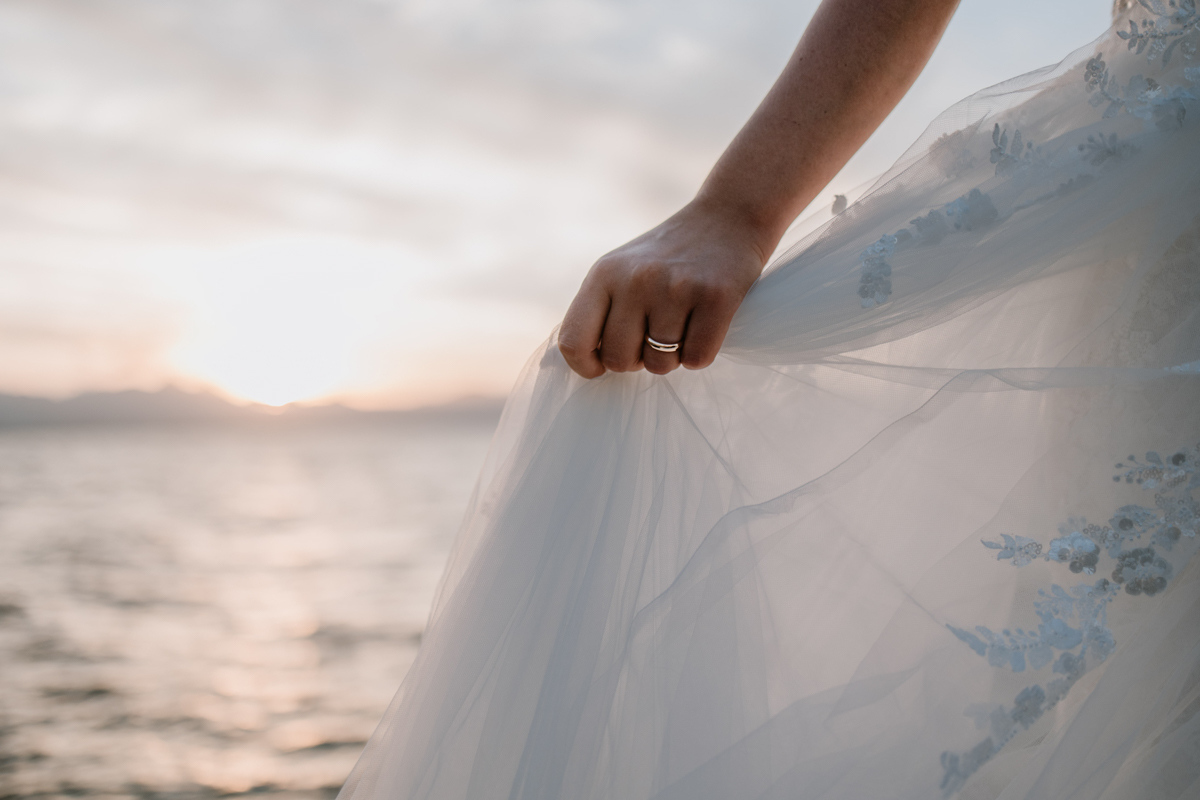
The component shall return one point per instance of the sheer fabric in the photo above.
(924, 530)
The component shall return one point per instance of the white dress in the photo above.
(924, 530)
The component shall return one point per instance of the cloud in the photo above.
(465, 159)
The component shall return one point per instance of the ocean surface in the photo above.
(203, 611)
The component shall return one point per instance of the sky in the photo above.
(386, 203)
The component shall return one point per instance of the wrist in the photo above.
(743, 220)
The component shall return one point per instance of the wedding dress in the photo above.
(925, 529)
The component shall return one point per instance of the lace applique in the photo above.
(1078, 551)
(1098, 150)
(972, 211)
(875, 283)
(1074, 619)
(1142, 97)
(1019, 548)
(952, 154)
(1160, 36)
(1008, 156)
(1158, 105)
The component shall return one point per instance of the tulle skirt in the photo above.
(925, 529)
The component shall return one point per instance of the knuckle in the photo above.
(717, 293)
(589, 372)
(606, 268)
(574, 352)
(646, 277)
(683, 286)
(613, 363)
(578, 360)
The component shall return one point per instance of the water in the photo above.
(204, 611)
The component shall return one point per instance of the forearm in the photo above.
(681, 282)
(855, 61)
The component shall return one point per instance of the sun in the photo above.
(271, 358)
(280, 321)
(307, 319)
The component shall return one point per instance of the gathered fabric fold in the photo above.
(925, 529)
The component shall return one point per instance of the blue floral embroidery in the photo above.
(1008, 156)
(1073, 633)
(1143, 97)
(875, 284)
(972, 211)
(1020, 549)
(1084, 605)
(1158, 105)
(1142, 571)
(1099, 151)
(1160, 37)
(1078, 551)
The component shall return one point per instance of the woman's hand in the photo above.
(682, 281)
(679, 282)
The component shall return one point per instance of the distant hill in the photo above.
(173, 405)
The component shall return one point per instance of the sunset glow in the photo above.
(283, 320)
(397, 216)
(303, 319)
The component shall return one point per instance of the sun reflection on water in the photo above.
(214, 611)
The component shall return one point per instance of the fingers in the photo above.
(706, 329)
(624, 331)
(666, 325)
(624, 298)
(579, 336)
(600, 334)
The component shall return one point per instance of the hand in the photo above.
(680, 282)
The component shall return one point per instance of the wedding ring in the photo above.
(662, 347)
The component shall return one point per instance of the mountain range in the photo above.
(172, 405)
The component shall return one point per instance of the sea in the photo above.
(214, 610)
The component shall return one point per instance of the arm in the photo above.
(683, 280)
